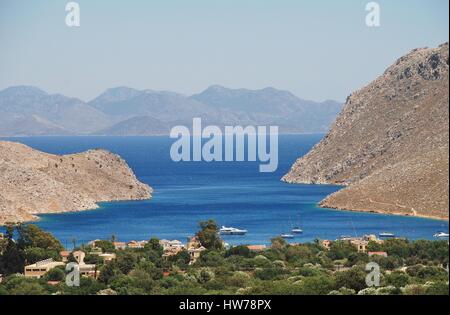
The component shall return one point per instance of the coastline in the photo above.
(322, 204)
(36, 216)
(398, 214)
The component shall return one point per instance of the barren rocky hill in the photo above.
(33, 182)
(390, 143)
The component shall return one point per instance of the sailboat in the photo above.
(296, 229)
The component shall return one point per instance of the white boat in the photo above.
(386, 235)
(441, 235)
(287, 236)
(297, 230)
(232, 231)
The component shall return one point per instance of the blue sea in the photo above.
(234, 194)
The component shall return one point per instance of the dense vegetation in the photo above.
(412, 268)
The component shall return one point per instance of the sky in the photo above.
(317, 49)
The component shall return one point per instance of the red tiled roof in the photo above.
(256, 247)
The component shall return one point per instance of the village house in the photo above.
(64, 256)
(96, 251)
(40, 268)
(89, 270)
(257, 248)
(136, 244)
(195, 249)
(171, 248)
(93, 243)
(120, 245)
(326, 244)
(166, 244)
(360, 244)
(108, 257)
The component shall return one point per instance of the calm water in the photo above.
(234, 194)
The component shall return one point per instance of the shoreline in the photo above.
(397, 214)
(345, 185)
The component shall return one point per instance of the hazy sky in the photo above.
(317, 49)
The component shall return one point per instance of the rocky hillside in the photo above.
(34, 182)
(390, 143)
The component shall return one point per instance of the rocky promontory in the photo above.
(389, 145)
(33, 182)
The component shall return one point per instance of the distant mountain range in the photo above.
(29, 111)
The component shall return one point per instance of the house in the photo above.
(64, 256)
(89, 270)
(96, 251)
(108, 257)
(326, 244)
(119, 245)
(360, 244)
(372, 238)
(40, 268)
(93, 243)
(194, 248)
(166, 244)
(257, 248)
(193, 242)
(382, 254)
(194, 254)
(136, 244)
(171, 248)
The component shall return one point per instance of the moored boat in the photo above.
(297, 230)
(232, 231)
(441, 235)
(386, 235)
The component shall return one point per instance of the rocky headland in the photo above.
(390, 143)
(33, 182)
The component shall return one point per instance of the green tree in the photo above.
(341, 250)
(109, 272)
(242, 250)
(106, 246)
(354, 279)
(153, 244)
(12, 260)
(397, 279)
(126, 261)
(56, 274)
(32, 236)
(209, 235)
